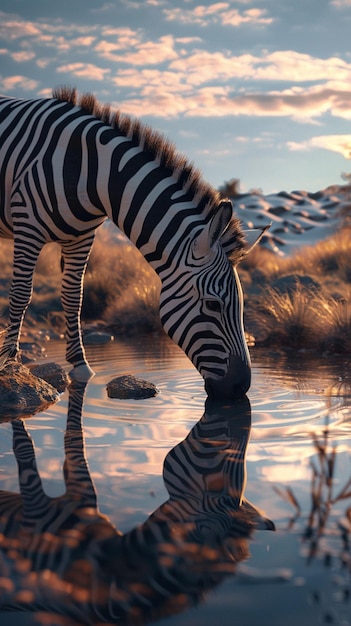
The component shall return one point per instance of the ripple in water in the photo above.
(287, 400)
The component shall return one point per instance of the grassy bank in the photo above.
(120, 289)
(301, 303)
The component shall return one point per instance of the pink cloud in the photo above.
(335, 143)
(171, 99)
(87, 70)
(16, 28)
(14, 82)
(83, 41)
(303, 106)
(341, 4)
(153, 78)
(202, 66)
(283, 65)
(25, 55)
(147, 53)
(251, 16)
(210, 9)
(219, 12)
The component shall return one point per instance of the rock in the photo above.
(22, 394)
(97, 338)
(128, 387)
(289, 284)
(32, 349)
(51, 373)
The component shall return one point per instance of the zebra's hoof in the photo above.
(81, 373)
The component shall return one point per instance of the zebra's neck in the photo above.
(115, 166)
(150, 207)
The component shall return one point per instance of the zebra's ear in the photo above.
(253, 237)
(214, 229)
(259, 520)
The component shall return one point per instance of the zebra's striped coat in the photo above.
(65, 168)
(62, 556)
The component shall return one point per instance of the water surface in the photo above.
(297, 471)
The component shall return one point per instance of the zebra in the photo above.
(205, 475)
(68, 163)
(62, 556)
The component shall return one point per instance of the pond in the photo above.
(285, 450)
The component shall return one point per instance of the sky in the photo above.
(256, 90)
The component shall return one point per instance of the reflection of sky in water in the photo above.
(127, 441)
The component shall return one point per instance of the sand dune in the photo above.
(298, 218)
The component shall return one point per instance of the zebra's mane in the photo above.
(165, 151)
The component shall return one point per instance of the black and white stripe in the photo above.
(65, 168)
(61, 556)
(205, 476)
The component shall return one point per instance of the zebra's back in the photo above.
(44, 181)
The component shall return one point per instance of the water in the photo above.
(300, 430)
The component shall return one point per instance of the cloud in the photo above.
(81, 42)
(168, 96)
(15, 82)
(341, 4)
(155, 3)
(335, 143)
(151, 79)
(218, 13)
(282, 65)
(298, 67)
(253, 17)
(123, 39)
(12, 29)
(143, 53)
(171, 76)
(126, 37)
(187, 40)
(107, 6)
(87, 70)
(43, 63)
(25, 55)
(302, 105)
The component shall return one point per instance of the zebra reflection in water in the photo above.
(62, 556)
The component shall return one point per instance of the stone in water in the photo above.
(128, 387)
(22, 394)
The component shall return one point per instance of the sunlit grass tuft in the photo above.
(285, 319)
(313, 317)
(335, 319)
(325, 259)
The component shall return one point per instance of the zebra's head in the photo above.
(201, 305)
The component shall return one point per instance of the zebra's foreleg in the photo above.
(34, 500)
(75, 256)
(79, 484)
(26, 252)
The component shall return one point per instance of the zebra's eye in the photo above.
(214, 306)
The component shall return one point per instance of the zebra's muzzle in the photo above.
(233, 385)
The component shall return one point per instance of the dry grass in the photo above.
(281, 317)
(122, 292)
(329, 260)
(120, 288)
(302, 302)
(327, 492)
